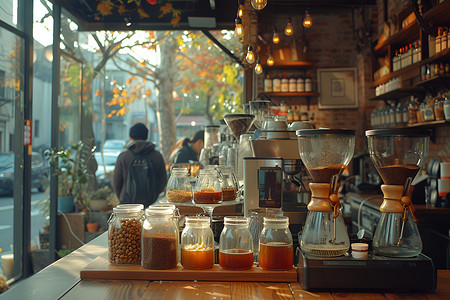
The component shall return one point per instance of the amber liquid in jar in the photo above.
(197, 259)
(324, 175)
(276, 256)
(397, 174)
(236, 259)
(207, 196)
(229, 194)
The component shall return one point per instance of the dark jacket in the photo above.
(124, 160)
(183, 155)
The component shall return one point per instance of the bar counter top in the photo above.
(61, 280)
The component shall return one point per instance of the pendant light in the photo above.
(239, 29)
(289, 30)
(270, 60)
(250, 57)
(259, 4)
(307, 21)
(241, 9)
(276, 37)
(258, 67)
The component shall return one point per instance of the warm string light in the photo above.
(289, 30)
(250, 57)
(276, 37)
(270, 60)
(258, 67)
(241, 9)
(239, 29)
(307, 21)
(259, 4)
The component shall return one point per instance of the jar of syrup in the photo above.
(275, 244)
(235, 246)
(229, 182)
(208, 188)
(197, 244)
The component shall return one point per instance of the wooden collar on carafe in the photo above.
(321, 198)
(395, 202)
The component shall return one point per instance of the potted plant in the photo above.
(71, 166)
(100, 198)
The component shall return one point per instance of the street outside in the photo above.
(7, 222)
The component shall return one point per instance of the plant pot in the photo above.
(91, 227)
(66, 203)
(97, 205)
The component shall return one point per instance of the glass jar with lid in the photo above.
(197, 244)
(178, 186)
(207, 188)
(447, 107)
(159, 239)
(439, 107)
(124, 234)
(229, 183)
(235, 246)
(275, 244)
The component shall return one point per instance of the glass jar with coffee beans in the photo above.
(124, 234)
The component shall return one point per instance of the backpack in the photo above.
(140, 183)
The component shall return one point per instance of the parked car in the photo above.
(118, 145)
(39, 172)
(104, 171)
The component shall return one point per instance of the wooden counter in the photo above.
(61, 280)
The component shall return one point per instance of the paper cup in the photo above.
(360, 250)
(443, 187)
(8, 264)
(445, 170)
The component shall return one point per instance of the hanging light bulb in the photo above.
(307, 21)
(241, 9)
(270, 60)
(275, 38)
(259, 4)
(289, 30)
(239, 29)
(258, 67)
(250, 58)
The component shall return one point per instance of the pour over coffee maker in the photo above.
(398, 156)
(325, 153)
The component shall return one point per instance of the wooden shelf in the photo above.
(398, 73)
(406, 35)
(399, 93)
(436, 81)
(429, 124)
(293, 94)
(289, 64)
(438, 15)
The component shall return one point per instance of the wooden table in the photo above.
(61, 280)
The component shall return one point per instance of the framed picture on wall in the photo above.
(337, 88)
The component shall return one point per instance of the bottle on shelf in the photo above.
(276, 84)
(447, 107)
(290, 115)
(284, 84)
(398, 115)
(439, 107)
(402, 58)
(438, 40)
(405, 114)
(268, 84)
(300, 84)
(396, 61)
(408, 55)
(417, 52)
(296, 113)
(392, 117)
(308, 83)
(444, 39)
(412, 111)
(292, 84)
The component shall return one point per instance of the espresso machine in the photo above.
(393, 262)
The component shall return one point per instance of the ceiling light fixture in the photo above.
(270, 60)
(239, 29)
(289, 30)
(241, 9)
(259, 4)
(307, 21)
(258, 67)
(250, 57)
(276, 37)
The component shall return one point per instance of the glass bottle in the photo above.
(197, 244)
(276, 84)
(412, 111)
(235, 246)
(398, 115)
(439, 107)
(275, 244)
(428, 111)
(300, 84)
(268, 84)
(229, 183)
(447, 107)
(396, 62)
(124, 234)
(178, 186)
(284, 84)
(392, 116)
(292, 84)
(308, 83)
(159, 239)
(405, 114)
(207, 189)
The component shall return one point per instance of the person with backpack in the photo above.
(140, 172)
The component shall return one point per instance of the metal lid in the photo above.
(306, 132)
(408, 132)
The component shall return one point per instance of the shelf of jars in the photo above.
(405, 35)
(429, 124)
(436, 81)
(399, 93)
(292, 94)
(410, 70)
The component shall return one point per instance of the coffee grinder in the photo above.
(398, 156)
(325, 153)
(394, 263)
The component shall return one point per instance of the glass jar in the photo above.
(124, 234)
(235, 246)
(229, 184)
(159, 239)
(197, 244)
(439, 107)
(178, 186)
(275, 244)
(207, 189)
(447, 107)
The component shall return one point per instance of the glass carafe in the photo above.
(207, 189)
(325, 153)
(398, 156)
(229, 184)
